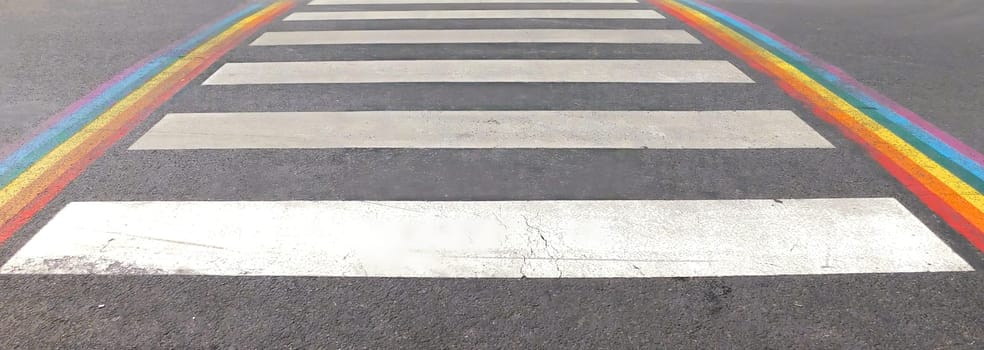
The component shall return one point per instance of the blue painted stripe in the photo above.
(944, 149)
(29, 153)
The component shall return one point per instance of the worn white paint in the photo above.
(484, 129)
(461, 36)
(487, 239)
(473, 14)
(601, 71)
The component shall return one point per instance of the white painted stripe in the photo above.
(573, 71)
(381, 2)
(608, 36)
(484, 129)
(473, 14)
(487, 239)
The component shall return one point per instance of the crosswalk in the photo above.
(458, 237)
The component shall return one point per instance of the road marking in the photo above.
(484, 129)
(590, 239)
(473, 14)
(390, 2)
(600, 71)
(41, 169)
(600, 36)
(934, 166)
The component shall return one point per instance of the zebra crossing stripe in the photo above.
(601, 36)
(473, 14)
(484, 129)
(578, 239)
(407, 2)
(486, 71)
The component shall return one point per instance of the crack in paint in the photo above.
(546, 245)
(393, 207)
(166, 241)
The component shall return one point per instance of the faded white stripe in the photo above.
(602, 71)
(381, 2)
(601, 36)
(484, 129)
(487, 239)
(473, 14)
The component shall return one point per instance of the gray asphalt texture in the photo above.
(925, 55)
(892, 311)
(52, 52)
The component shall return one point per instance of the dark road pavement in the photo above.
(53, 52)
(227, 219)
(924, 55)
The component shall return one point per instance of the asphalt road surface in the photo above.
(465, 174)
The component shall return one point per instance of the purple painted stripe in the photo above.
(48, 123)
(861, 88)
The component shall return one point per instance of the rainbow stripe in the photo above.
(33, 174)
(945, 174)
